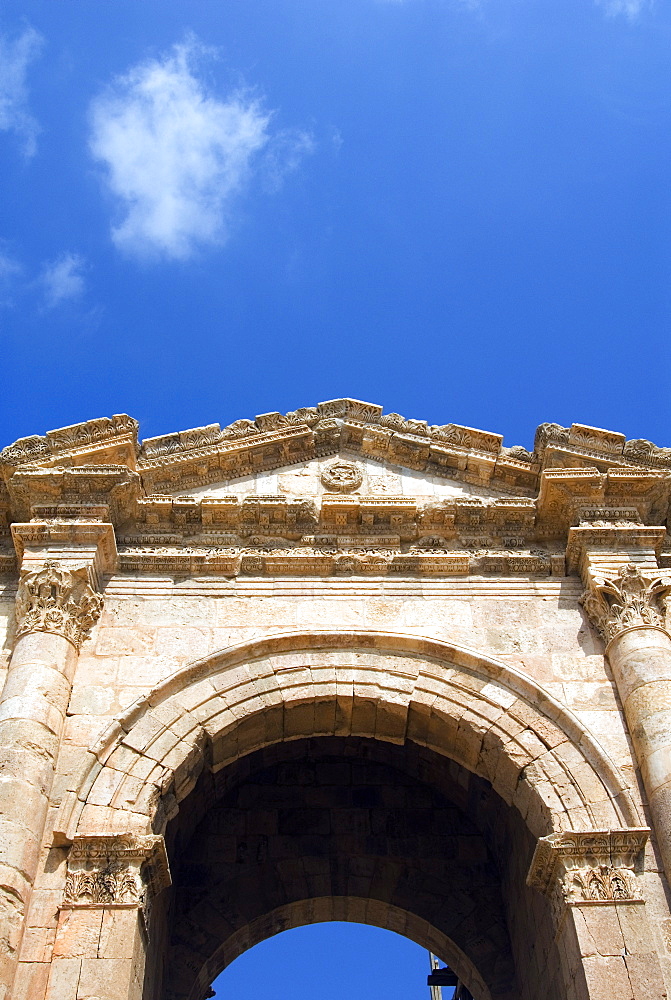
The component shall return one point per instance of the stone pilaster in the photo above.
(103, 921)
(587, 867)
(591, 879)
(626, 600)
(106, 870)
(57, 604)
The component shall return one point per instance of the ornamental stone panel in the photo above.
(334, 664)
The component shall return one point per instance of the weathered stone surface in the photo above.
(334, 664)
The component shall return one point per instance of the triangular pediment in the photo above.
(346, 474)
(339, 477)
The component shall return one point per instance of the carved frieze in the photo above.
(587, 867)
(631, 599)
(575, 476)
(115, 871)
(57, 599)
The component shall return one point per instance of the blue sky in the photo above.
(329, 961)
(460, 209)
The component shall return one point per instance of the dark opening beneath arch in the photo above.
(348, 829)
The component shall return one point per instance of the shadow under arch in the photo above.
(354, 910)
(343, 828)
(484, 714)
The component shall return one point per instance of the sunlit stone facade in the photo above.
(334, 664)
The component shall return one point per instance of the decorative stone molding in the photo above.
(121, 871)
(106, 436)
(595, 866)
(603, 884)
(342, 477)
(633, 598)
(582, 483)
(59, 600)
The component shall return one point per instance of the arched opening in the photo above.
(385, 780)
(342, 828)
(332, 960)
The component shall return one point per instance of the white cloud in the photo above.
(10, 270)
(630, 8)
(284, 154)
(175, 154)
(62, 279)
(15, 115)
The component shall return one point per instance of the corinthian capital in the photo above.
(57, 599)
(630, 599)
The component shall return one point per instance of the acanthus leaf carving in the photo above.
(601, 884)
(57, 599)
(115, 870)
(587, 867)
(633, 598)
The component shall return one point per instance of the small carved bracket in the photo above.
(57, 599)
(115, 871)
(631, 599)
(595, 866)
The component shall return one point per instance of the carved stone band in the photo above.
(59, 600)
(595, 866)
(115, 871)
(632, 599)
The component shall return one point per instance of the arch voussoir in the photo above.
(482, 713)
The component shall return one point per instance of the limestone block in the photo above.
(37, 944)
(118, 934)
(31, 980)
(93, 699)
(645, 975)
(64, 978)
(111, 978)
(607, 977)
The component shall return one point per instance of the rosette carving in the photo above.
(342, 477)
(630, 599)
(59, 600)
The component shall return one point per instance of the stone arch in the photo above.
(355, 910)
(482, 713)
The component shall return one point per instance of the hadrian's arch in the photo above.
(334, 664)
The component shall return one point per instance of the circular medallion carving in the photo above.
(341, 477)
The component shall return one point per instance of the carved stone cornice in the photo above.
(57, 599)
(632, 599)
(212, 453)
(596, 866)
(115, 871)
(73, 491)
(109, 439)
(574, 476)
